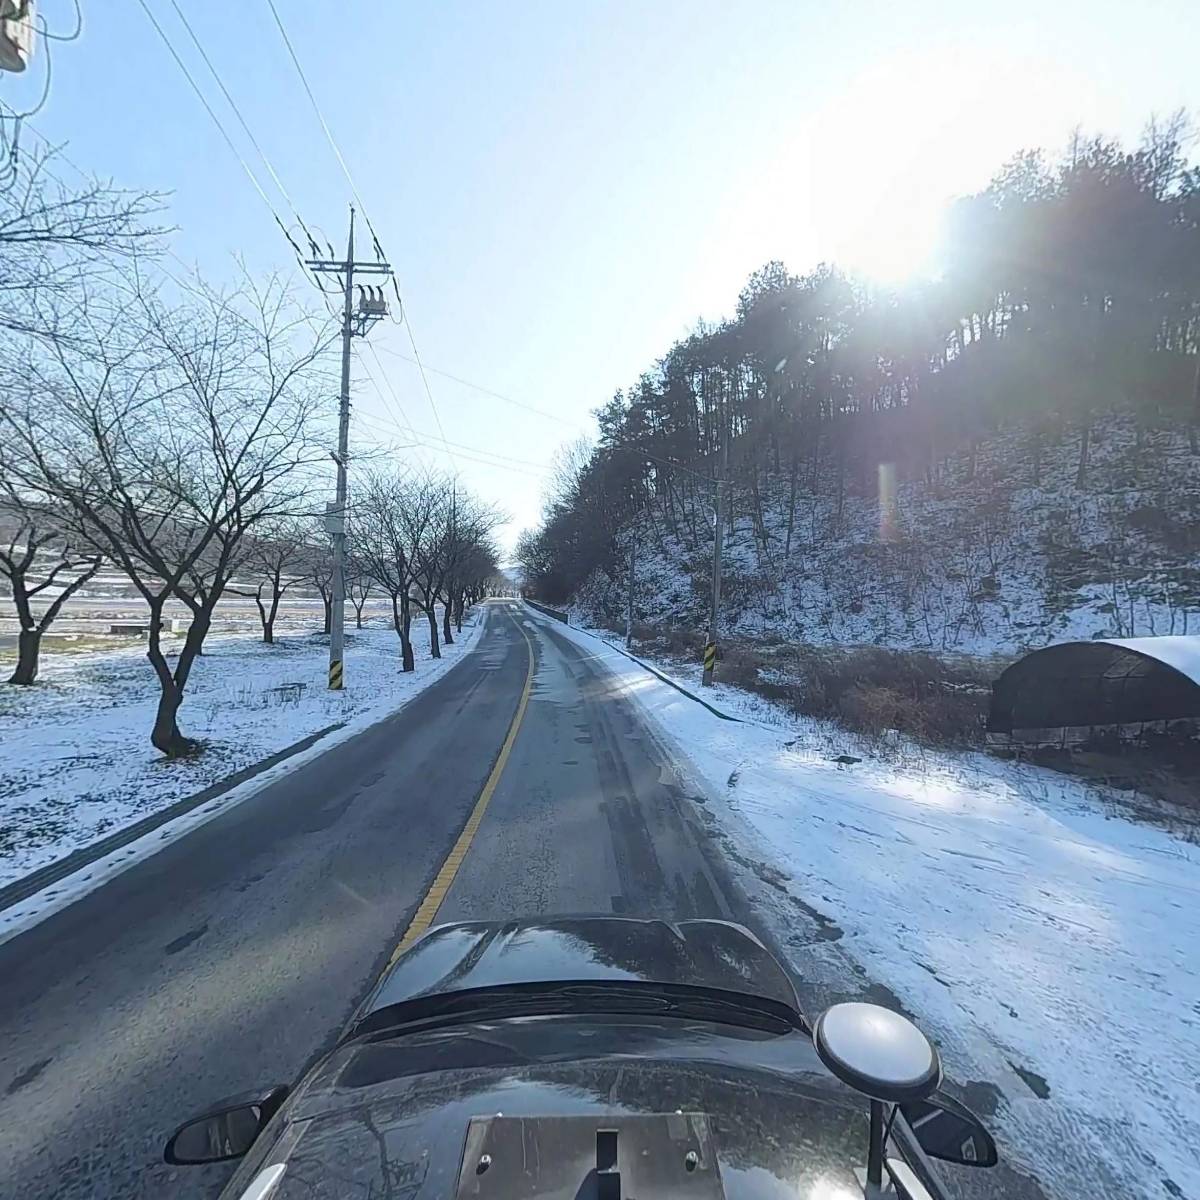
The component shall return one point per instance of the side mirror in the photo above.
(877, 1052)
(882, 1055)
(225, 1131)
(948, 1130)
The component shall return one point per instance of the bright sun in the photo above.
(876, 168)
(888, 143)
(893, 244)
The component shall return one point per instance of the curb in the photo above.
(716, 712)
(55, 872)
(556, 613)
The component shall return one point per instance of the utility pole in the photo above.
(710, 648)
(629, 609)
(371, 308)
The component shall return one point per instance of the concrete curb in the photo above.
(55, 872)
(716, 712)
(556, 613)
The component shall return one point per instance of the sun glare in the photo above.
(874, 171)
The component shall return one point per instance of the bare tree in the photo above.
(359, 588)
(36, 561)
(427, 514)
(278, 553)
(382, 533)
(468, 553)
(168, 436)
(55, 241)
(319, 572)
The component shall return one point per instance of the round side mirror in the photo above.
(877, 1052)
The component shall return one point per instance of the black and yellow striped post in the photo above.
(335, 675)
(710, 660)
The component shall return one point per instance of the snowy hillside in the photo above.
(982, 560)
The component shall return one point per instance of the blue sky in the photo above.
(565, 188)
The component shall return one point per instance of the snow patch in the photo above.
(1047, 946)
(76, 763)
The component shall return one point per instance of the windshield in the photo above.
(575, 512)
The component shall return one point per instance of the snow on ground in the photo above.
(985, 563)
(75, 757)
(1051, 948)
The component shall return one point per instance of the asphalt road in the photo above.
(234, 956)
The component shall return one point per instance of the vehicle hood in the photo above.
(391, 1116)
(479, 954)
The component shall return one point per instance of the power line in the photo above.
(425, 441)
(432, 441)
(237, 112)
(447, 443)
(403, 425)
(412, 341)
(64, 37)
(473, 454)
(312, 99)
(208, 109)
(399, 408)
(287, 41)
(486, 391)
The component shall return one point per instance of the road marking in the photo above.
(442, 882)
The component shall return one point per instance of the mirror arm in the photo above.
(273, 1102)
(919, 1162)
(875, 1145)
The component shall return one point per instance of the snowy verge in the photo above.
(1048, 946)
(76, 763)
(690, 692)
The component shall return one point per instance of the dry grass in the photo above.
(872, 691)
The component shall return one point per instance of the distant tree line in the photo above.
(1070, 291)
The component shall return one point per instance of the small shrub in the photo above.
(873, 711)
(870, 690)
(738, 666)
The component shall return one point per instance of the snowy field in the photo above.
(75, 757)
(1050, 947)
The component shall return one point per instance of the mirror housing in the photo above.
(225, 1131)
(948, 1130)
(877, 1052)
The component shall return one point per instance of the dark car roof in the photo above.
(471, 955)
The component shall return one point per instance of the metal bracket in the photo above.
(670, 1156)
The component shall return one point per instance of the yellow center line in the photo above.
(442, 882)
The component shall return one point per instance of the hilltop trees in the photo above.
(1071, 290)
